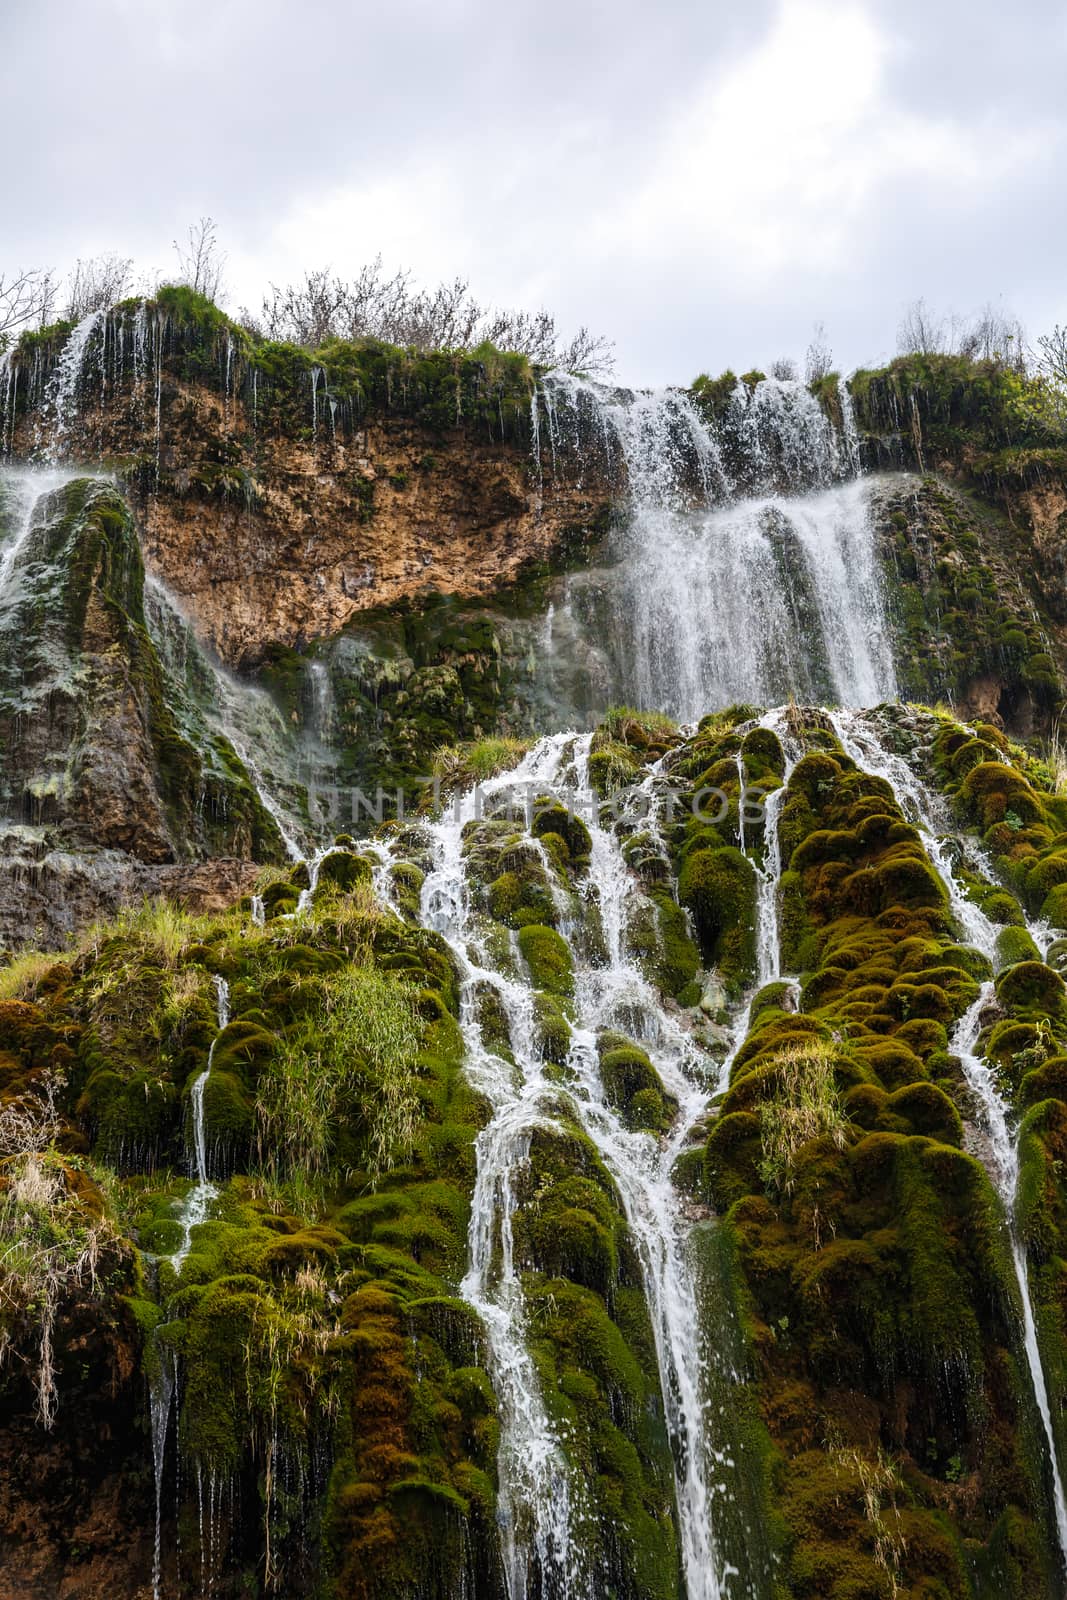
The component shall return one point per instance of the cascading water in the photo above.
(541, 1503)
(1001, 1160)
(616, 994)
(538, 1498)
(778, 593)
(61, 398)
(245, 715)
(21, 490)
(197, 1203)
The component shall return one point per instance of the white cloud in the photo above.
(777, 168)
(700, 181)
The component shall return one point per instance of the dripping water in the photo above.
(197, 1203)
(1001, 1160)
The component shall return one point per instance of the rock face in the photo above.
(109, 777)
(345, 528)
(278, 498)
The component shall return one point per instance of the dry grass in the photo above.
(49, 1248)
(878, 1486)
(460, 766)
(806, 1105)
(19, 980)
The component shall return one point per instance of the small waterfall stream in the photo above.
(1002, 1164)
(538, 1495)
(197, 1203)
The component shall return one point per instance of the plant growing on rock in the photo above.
(806, 1104)
(51, 1241)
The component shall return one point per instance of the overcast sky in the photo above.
(699, 180)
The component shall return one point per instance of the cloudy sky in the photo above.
(699, 179)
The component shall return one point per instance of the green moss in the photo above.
(548, 959)
(719, 887)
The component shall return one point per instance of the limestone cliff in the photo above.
(281, 495)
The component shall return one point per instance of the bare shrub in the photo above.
(26, 297)
(376, 304)
(96, 284)
(201, 262)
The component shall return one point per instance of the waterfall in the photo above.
(1002, 1164)
(541, 1503)
(64, 385)
(783, 436)
(538, 1499)
(707, 603)
(197, 1203)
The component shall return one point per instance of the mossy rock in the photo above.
(1031, 987)
(345, 869)
(633, 1086)
(1014, 945)
(549, 960)
(566, 825)
(719, 888)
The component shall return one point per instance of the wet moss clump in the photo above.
(878, 1292)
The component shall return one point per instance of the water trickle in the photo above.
(1001, 1160)
(197, 1203)
(324, 705)
(160, 1400)
(259, 911)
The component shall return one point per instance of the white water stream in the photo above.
(542, 1503)
(728, 590)
(1002, 1163)
(196, 1206)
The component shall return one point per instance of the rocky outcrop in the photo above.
(280, 495)
(48, 893)
(111, 779)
